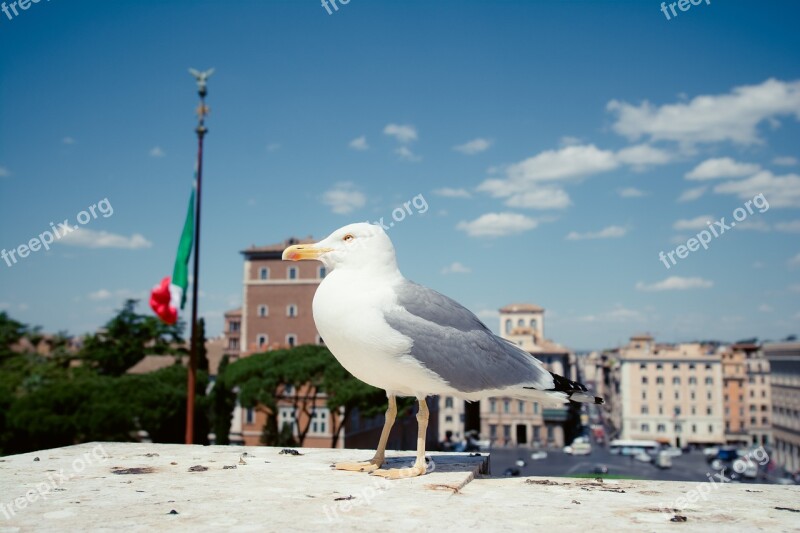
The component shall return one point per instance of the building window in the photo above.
(659, 380)
(644, 380)
(319, 420)
(507, 432)
(645, 428)
(448, 401)
(536, 408)
(291, 311)
(661, 428)
(676, 380)
(675, 366)
(660, 395)
(708, 410)
(263, 311)
(678, 428)
(261, 340)
(549, 432)
(492, 431)
(677, 411)
(250, 416)
(233, 344)
(448, 418)
(659, 366)
(492, 405)
(691, 366)
(233, 327)
(521, 406)
(711, 428)
(644, 395)
(692, 395)
(642, 366)
(645, 410)
(533, 323)
(291, 340)
(263, 273)
(291, 273)
(694, 410)
(693, 381)
(677, 395)
(506, 406)
(694, 428)
(708, 395)
(708, 367)
(709, 381)
(508, 325)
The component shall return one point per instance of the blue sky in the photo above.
(560, 146)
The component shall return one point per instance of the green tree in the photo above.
(127, 338)
(222, 401)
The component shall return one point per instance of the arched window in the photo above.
(263, 273)
(533, 323)
(509, 324)
(263, 310)
(291, 311)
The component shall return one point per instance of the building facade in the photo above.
(784, 362)
(671, 393)
(513, 422)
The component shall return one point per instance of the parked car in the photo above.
(672, 451)
(664, 459)
(643, 457)
(538, 456)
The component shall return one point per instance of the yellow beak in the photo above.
(303, 252)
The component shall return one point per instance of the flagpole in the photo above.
(201, 131)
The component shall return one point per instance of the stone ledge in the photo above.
(169, 486)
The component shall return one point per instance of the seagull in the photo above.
(410, 340)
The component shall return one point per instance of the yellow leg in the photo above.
(419, 465)
(380, 454)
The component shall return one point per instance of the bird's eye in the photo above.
(349, 237)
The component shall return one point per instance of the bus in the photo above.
(633, 447)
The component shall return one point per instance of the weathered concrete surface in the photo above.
(140, 487)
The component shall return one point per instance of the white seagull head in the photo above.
(355, 246)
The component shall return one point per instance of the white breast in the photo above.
(348, 312)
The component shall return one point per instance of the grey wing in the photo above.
(452, 342)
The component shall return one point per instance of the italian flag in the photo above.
(170, 295)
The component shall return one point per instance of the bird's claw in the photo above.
(359, 466)
(399, 473)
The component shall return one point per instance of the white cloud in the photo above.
(157, 151)
(4, 172)
(404, 133)
(721, 167)
(569, 140)
(541, 198)
(793, 226)
(497, 225)
(764, 308)
(619, 314)
(474, 146)
(700, 222)
(631, 192)
(449, 192)
(87, 238)
(785, 161)
(795, 261)
(641, 155)
(359, 143)
(122, 294)
(780, 191)
(405, 153)
(732, 116)
(456, 268)
(754, 225)
(68, 140)
(675, 283)
(610, 232)
(690, 195)
(344, 198)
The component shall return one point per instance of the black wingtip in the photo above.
(598, 400)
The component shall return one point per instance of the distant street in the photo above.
(688, 467)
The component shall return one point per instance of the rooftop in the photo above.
(170, 486)
(522, 308)
(278, 247)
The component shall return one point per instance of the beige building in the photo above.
(747, 397)
(511, 422)
(784, 361)
(671, 393)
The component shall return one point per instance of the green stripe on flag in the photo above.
(180, 274)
